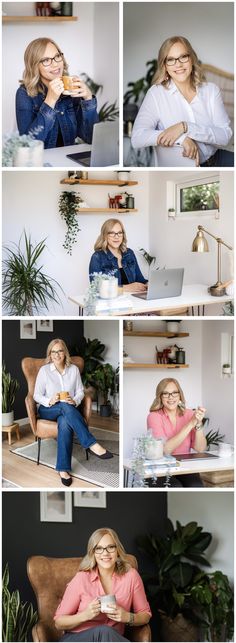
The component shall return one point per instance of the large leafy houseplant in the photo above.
(18, 618)
(27, 290)
(212, 602)
(68, 208)
(9, 388)
(103, 380)
(91, 350)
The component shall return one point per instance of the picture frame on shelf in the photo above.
(27, 329)
(55, 506)
(96, 499)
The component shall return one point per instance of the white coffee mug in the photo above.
(225, 450)
(106, 602)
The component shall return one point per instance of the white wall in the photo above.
(171, 240)
(30, 201)
(214, 511)
(201, 382)
(218, 391)
(107, 332)
(209, 27)
(86, 44)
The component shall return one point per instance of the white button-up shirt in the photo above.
(207, 120)
(49, 381)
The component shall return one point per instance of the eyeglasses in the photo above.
(110, 549)
(46, 62)
(115, 234)
(171, 394)
(57, 352)
(182, 59)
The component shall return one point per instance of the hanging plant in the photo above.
(68, 208)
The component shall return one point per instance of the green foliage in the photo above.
(213, 605)
(17, 618)
(214, 438)
(103, 380)
(175, 557)
(91, 350)
(14, 141)
(228, 308)
(9, 388)
(26, 289)
(68, 208)
(107, 112)
(139, 88)
(200, 197)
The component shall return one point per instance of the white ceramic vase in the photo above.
(8, 418)
(31, 156)
(108, 288)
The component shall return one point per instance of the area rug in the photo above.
(104, 473)
(7, 484)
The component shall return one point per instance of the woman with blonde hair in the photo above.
(180, 428)
(60, 375)
(181, 108)
(105, 570)
(111, 254)
(43, 109)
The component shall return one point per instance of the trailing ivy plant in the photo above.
(68, 208)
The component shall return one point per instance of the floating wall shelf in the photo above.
(133, 365)
(147, 333)
(97, 182)
(9, 19)
(97, 210)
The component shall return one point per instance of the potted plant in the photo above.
(27, 290)
(9, 388)
(172, 325)
(214, 438)
(171, 213)
(68, 207)
(212, 601)
(103, 380)
(18, 618)
(102, 284)
(176, 558)
(23, 150)
(226, 369)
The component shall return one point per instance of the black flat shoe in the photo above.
(66, 481)
(105, 456)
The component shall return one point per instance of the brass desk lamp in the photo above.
(200, 245)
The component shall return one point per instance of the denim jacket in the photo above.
(75, 116)
(102, 261)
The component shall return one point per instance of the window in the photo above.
(200, 197)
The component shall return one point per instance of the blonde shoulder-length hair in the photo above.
(102, 240)
(65, 349)
(161, 76)
(33, 54)
(157, 404)
(89, 561)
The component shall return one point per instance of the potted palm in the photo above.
(18, 618)
(9, 388)
(27, 290)
(103, 380)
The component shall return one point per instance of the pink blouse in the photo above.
(162, 427)
(86, 586)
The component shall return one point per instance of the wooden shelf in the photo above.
(8, 19)
(133, 365)
(97, 182)
(147, 333)
(114, 210)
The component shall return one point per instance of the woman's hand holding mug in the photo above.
(92, 610)
(81, 89)
(118, 614)
(55, 89)
(54, 399)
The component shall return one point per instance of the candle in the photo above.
(108, 288)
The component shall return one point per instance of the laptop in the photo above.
(105, 146)
(163, 283)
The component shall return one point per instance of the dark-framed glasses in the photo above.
(110, 549)
(115, 234)
(173, 394)
(46, 62)
(182, 59)
(60, 352)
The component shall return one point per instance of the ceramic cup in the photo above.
(225, 450)
(106, 601)
(63, 395)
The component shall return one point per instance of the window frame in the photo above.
(214, 213)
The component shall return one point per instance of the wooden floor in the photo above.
(28, 474)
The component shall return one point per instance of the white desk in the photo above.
(192, 296)
(56, 156)
(195, 466)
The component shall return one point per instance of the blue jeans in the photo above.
(221, 158)
(69, 421)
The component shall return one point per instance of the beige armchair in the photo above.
(46, 428)
(49, 577)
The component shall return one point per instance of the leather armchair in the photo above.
(49, 577)
(46, 428)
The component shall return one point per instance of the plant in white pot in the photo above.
(226, 369)
(9, 388)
